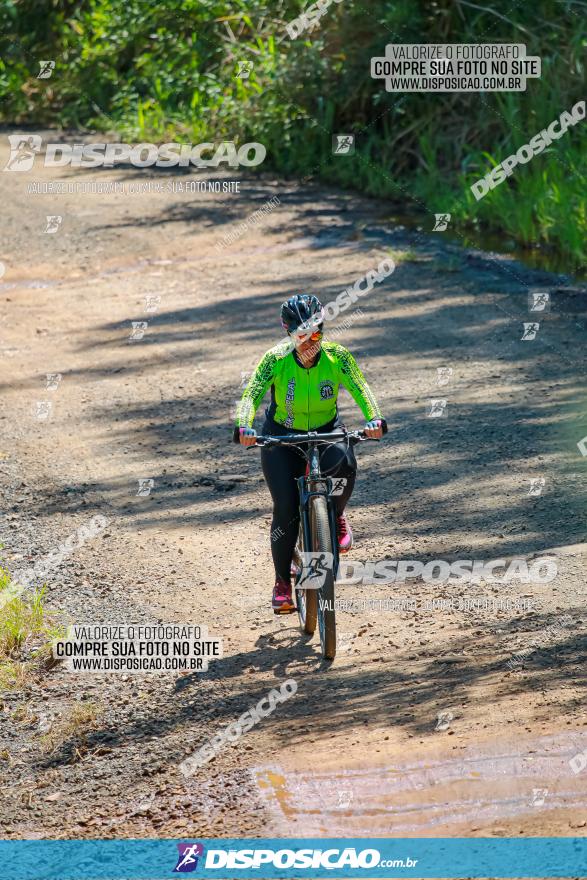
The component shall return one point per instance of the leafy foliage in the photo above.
(157, 71)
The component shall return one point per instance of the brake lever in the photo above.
(361, 439)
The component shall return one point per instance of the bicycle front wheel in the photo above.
(322, 543)
(306, 600)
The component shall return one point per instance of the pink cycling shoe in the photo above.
(345, 533)
(282, 602)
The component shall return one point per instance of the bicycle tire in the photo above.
(306, 600)
(322, 542)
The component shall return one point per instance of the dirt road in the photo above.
(360, 748)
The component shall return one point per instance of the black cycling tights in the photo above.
(281, 466)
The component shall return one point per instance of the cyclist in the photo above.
(304, 374)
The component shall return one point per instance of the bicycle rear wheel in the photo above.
(322, 542)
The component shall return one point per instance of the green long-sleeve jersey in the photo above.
(305, 399)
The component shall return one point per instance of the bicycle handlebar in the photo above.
(310, 437)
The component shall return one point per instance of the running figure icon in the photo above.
(316, 567)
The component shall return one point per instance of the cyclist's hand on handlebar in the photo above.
(247, 436)
(373, 429)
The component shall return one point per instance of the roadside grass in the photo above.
(406, 256)
(27, 630)
(26, 633)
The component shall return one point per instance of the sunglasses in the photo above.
(306, 336)
(309, 330)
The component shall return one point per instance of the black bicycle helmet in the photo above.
(298, 309)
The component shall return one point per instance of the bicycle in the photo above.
(318, 537)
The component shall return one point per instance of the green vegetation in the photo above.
(408, 256)
(26, 633)
(157, 71)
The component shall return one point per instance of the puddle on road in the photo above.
(478, 787)
(540, 258)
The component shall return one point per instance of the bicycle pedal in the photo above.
(287, 610)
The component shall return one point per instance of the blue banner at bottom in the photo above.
(293, 858)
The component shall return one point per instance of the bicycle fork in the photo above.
(311, 476)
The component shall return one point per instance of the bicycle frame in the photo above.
(314, 475)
